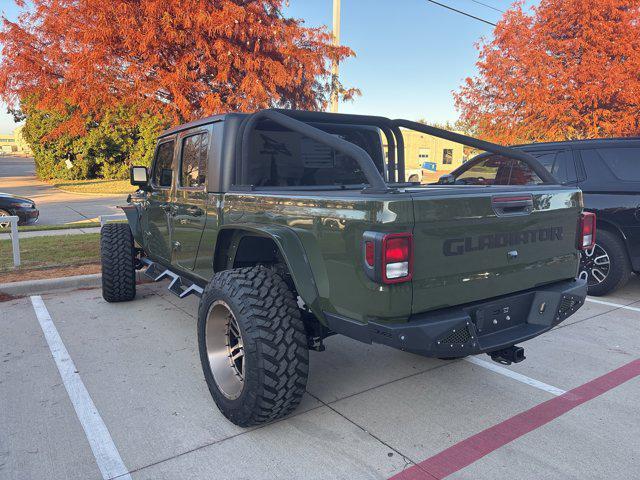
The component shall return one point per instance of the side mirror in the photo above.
(447, 179)
(139, 177)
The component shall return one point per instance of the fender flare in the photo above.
(294, 254)
(134, 218)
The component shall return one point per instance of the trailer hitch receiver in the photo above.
(508, 355)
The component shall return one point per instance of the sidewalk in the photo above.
(46, 233)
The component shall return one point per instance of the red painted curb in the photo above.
(472, 449)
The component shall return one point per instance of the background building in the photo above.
(14, 142)
(8, 143)
(427, 158)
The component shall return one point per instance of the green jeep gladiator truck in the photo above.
(292, 226)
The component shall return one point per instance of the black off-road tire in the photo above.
(620, 267)
(276, 356)
(117, 253)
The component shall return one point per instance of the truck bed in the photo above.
(331, 224)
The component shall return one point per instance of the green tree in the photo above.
(106, 149)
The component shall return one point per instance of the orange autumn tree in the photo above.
(182, 59)
(568, 69)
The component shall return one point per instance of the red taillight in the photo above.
(397, 249)
(369, 253)
(388, 258)
(586, 231)
(397, 257)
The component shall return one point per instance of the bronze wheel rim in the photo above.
(225, 349)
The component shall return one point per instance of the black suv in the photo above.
(608, 172)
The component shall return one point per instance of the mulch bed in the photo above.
(55, 272)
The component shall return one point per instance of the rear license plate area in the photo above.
(501, 315)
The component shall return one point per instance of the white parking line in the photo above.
(531, 381)
(611, 304)
(104, 450)
(516, 376)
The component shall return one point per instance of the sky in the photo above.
(411, 54)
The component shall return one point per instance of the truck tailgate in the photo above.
(473, 243)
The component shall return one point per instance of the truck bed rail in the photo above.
(296, 121)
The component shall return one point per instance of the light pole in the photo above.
(335, 63)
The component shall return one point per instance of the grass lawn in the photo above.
(51, 251)
(97, 185)
(38, 228)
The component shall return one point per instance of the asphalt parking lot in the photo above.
(17, 177)
(120, 394)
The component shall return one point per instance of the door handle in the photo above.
(195, 211)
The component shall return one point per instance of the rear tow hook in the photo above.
(508, 355)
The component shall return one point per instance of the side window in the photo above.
(162, 171)
(193, 164)
(554, 161)
(522, 174)
(485, 171)
(594, 166)
(624, 162)
(499, 170)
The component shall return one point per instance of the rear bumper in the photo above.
(479, 327)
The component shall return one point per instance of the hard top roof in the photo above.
(195, 123)
(302, 115)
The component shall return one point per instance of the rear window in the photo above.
(194, 160)
(281, 158)
(499, 170)
(623, 162)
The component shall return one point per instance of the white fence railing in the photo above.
(15, 241)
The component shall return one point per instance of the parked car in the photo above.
(290, 227)
(24, 208)
(608, 172)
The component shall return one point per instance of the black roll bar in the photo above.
(376, 182)
(530, 160)
(391, 150)
(396, 131)
(382, 123)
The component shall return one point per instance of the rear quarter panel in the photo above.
(330, 229)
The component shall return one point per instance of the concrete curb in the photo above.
(46, 285)
(89, 195)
